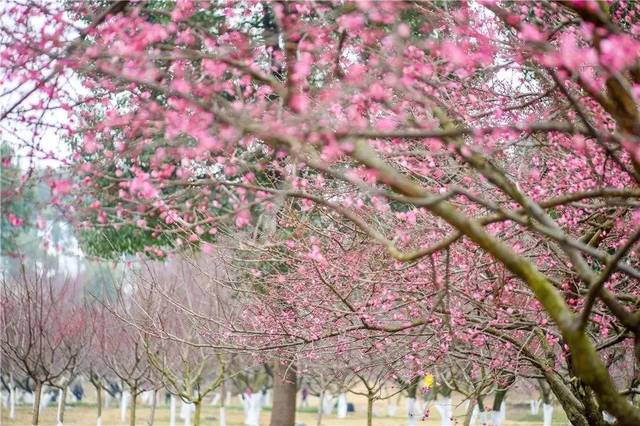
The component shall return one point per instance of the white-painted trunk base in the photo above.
(185, 412)
(244, 401)
(392, 409)
(496, 418)
(342, 406)
(445, 409)
(45, 399)
(99, 421)
(223, 417)
(253, 408)
(145, 397)
(534, 404)
(172, 410)
(327, 403)
(547, 414)
(12, 404)
(124, 402)
(474, 415)
(412, 412)
(60, 399)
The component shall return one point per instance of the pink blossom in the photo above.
(316, 254)
(332, 151)
(180, 85)
(530, 32)
(141, 187)
(15, 220)
(214, 68)
(299, 103)
(351, 22)
(243, 218)
(182, 11)
(618, 52)
(404, 30)
(61, 187)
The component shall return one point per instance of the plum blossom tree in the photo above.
(497, 134)
(324, 379)
(123, 353)
(44, 329)
(178, 323)
(97, 372)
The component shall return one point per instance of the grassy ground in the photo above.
(84, 415)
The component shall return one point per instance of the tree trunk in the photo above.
(567, 399)
(545, 392)
(547, 414)
(590, 407)
(134, 397)
(196, 413)
(283, 412)
(62, 403)
(482, 413)
(498, 400)
(592, 410)
(152, 415)
(12, 399)
(99, 404)
(342, 407)
(36, 403)
(369, 410)
(444, 408)
(123, 404)
(469, 413)
(412, 415)
(223, 400)
(320, 408)
(412, 389)
(172, 411)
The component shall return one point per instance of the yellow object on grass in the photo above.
(427, 382)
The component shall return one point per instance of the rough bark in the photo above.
(99, 403)
(36, 404)
(283, 412)
(592, 411)
(545, 392)
(469, 413)
(571, 405)
(412, 389)
(223, 401)
(499, 398)
(134, 397)
(196, 414)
